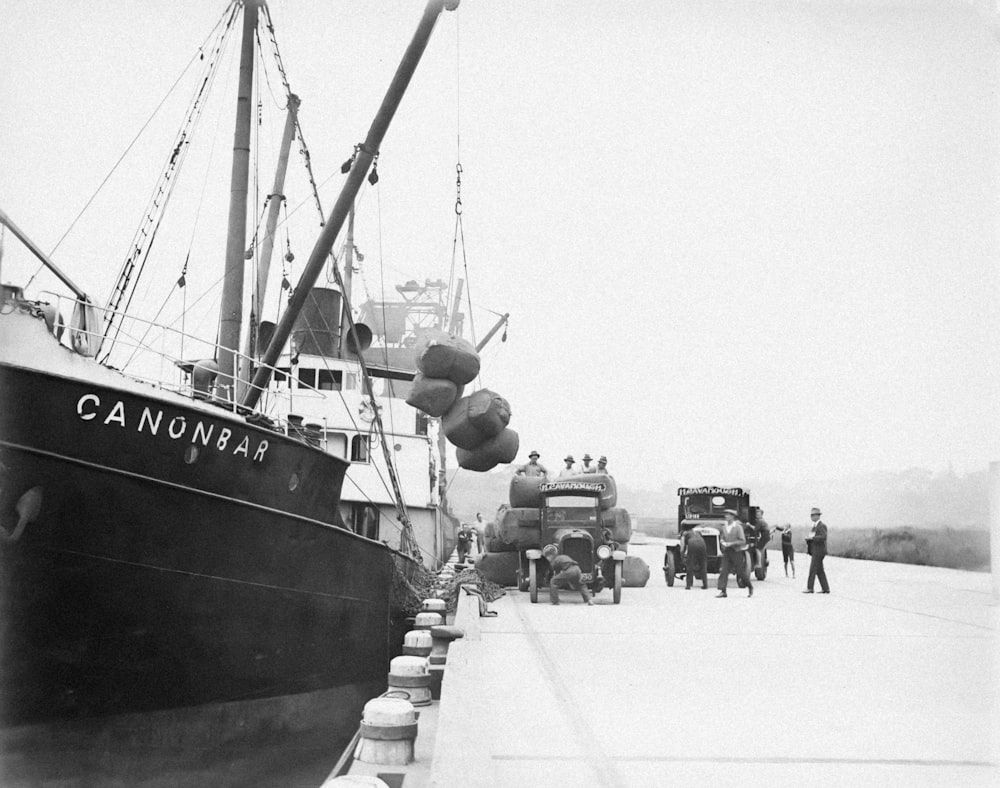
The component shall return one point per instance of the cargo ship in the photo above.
(219, 556)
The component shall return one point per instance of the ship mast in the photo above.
(361, 161)
(231, 311)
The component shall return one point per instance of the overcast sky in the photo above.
(737, 240)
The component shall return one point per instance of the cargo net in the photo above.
(409, 593)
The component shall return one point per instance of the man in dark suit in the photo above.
(817, 549)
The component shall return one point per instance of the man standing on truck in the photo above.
(734, 544)
(565, 574)
(695, 556)
(532, 468)
(587, 467)
(817, 549)
(569, 470)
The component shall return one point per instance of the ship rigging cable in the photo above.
(200, 53)
(408, 542)
(142, 242)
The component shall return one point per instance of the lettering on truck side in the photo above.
(150, 420)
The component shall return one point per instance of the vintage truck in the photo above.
(576, 514)
(702, 509)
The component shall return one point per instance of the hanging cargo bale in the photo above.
(499, 568)
(619, 522)
(434, 396)
(520, 528)
(524, 491)
(635, 572)
(441, 355)
(502, 448)
(474, 419)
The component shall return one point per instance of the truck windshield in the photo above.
(705, 506)
(577, 501)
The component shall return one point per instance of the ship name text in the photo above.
(152, 420)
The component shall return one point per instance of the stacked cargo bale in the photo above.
(476, 424)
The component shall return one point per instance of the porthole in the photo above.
(293, 482)
(191, 455)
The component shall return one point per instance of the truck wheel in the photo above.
(761, 572)
(533, 581)
(670, 568)
(522, 581)
(618, 582)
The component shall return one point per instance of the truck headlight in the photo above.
(604, 552)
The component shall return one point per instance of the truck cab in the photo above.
(703, 509)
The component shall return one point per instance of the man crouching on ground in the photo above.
(565, 574)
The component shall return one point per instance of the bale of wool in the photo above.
(433, 396)
(619, 522)
(520, 527)
(444, 356)
(502, 448)
(635, 572)
(474, 419)
(524, 491)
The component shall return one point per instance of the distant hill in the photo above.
(914, 498)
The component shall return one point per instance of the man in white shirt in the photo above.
(569, 470)
(587, 467)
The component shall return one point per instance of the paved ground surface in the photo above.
(890, 680)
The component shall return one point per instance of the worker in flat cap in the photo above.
(566, 574)
(817, 550)
(532, 468)
(569, 470)
(734, 545)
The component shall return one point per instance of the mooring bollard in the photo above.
(388, 728)
(418, 643)
(409, 675)
(434, 606)
(427, 620)
(436, 672)
(442, 636)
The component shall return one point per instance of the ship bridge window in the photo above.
(307, 378)
(364, 519)
(423, 422)
(336, 443)
(359, 448)
(330, 380)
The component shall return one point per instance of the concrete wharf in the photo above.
(892, 679)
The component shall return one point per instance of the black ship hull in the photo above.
(175, 559)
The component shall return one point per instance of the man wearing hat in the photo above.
(602, 465)
(565, 574)
(817, 549)
(734, 545)
(587, 467)
(569, 470)
(533, 467)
